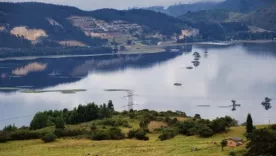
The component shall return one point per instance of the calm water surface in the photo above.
(245, 73)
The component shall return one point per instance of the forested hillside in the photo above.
(50, 23)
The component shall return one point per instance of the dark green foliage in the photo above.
(223, 144)
(249, 124)
(197, 116)
(262, 142)
(273, 127)
(139, 134)
(205, 131)
(59, 122)
(78, 115)
(39, 121)
(10, 128)
(25, 135)
(220, 125)
(35, 15)
(93, 127)
(184, 127)
(11, 41)
(167, 134)
(68, 132)
(50, 137)
(171, 121)
(4, 137)
(108, 134)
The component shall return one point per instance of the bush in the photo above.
(273, 127)
(25, 135)
(116, 134)
(205, 131)
(100, 135)
(93, 127)
(131, 134)
(110, 134)
(139, 134)
(168, 134)
(50, 137)
(68, 132)
(4, 137)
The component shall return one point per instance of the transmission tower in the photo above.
(130, 100)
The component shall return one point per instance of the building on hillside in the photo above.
(234, 142)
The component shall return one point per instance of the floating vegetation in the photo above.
(117, 90)
(177, 84)
(68, 91)
(203, 105)
(9, 88)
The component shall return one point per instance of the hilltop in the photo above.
(51, 25)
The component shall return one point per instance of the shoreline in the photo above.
(146, 50)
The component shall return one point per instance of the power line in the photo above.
(15, 118)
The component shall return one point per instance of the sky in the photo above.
(117, 4)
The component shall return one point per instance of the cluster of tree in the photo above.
(36, 15)
(8, 40)
(77, 115)
(262, 142)
(209, 31)
(155, 21)
(205, 128)
(255, 36)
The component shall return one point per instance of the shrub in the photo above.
(139, 134)
(273, 127)
(116, 134)
(185, 127)
(166, 136)
(205, 131)
(68, 132)
(4, 137)
(100, 135)
(25, 135)
(50, 137)
(131, 134)
(110, 134)
(93, 127)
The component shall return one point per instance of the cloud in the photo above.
(117, 4)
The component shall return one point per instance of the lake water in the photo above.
(245, 73)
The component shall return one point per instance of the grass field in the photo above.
(178, 146)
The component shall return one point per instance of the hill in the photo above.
(56, 25)
(210, 16)
(264, 18)
(180, 9)
(244, 6)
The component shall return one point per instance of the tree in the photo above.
(60, 123)
(10, 128)
(249, 124)
(39, 121)
(110, 106)
(223, 144)
(262, 142)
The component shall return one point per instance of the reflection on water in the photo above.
(244, 73)
(32, 67)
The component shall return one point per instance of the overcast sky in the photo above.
(117, 4)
